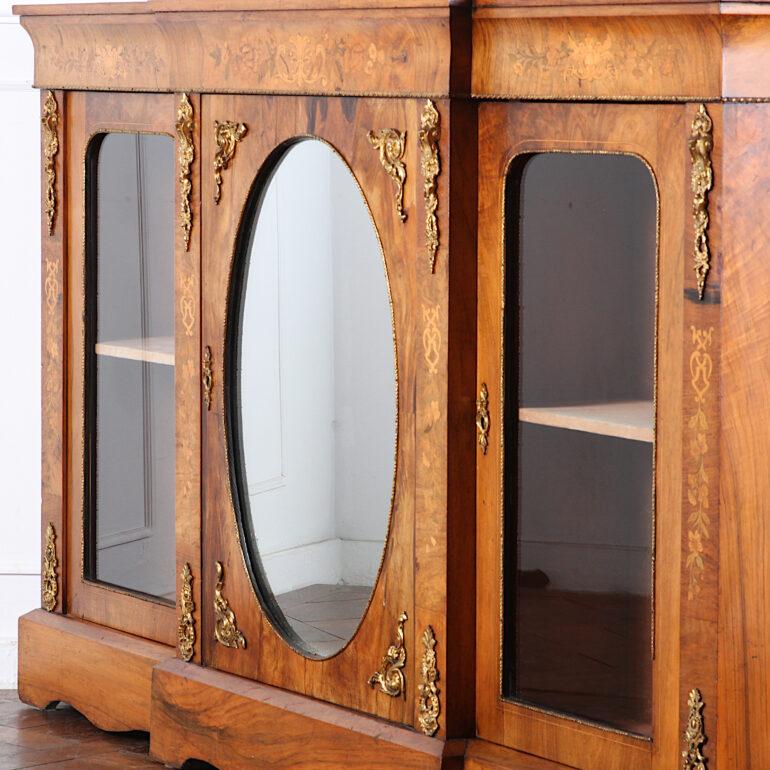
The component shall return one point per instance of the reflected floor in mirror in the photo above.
(325, 616)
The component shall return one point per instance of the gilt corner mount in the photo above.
(50, 577)
(390, 676)
(226, 135)
(694, 736)
(391, 146)
(50, 123)
(701, 145)
(186, 152)
(429, 705)
(186, 630)
(225, 628)
(430, 133)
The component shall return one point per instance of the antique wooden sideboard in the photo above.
(406, 387)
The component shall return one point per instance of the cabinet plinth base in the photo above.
(120, 682)
(231, 722)
(106, 675)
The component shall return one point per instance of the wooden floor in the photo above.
(63, 738)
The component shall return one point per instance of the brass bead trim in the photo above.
(207, 377)
(226, 135)
(391, 146)
(429, 705)
(50, 588)
(186, 155)
(430, 133)
(186, 630)
(50, 123)
(701, 145)
(694, 736)
(482, 418)
(225, 628)
(390, 677)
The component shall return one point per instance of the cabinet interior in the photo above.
(581, 252)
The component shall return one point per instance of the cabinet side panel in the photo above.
(744, 537)
(54, 309)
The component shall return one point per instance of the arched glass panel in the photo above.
(581, 251)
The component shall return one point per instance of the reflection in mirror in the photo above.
(312, 397)
(581, 237)
(130, 439)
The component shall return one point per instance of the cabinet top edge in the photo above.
(187, 6)
(479, 8)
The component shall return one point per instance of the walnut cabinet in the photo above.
(405, 381)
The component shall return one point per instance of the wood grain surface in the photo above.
(105, 675)
(233, 723)
(743, 702)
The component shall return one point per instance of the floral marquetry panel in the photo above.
(290, 52)
(595, 56)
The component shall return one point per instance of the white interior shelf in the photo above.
(154, 350)
(621, 419)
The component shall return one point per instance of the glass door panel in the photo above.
(580, 288)
(130, 397)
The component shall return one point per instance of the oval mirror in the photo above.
(312, 406)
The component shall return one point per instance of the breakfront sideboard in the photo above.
(405, 381)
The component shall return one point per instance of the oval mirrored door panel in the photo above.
(312, 397)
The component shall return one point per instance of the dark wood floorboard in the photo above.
(63, 738)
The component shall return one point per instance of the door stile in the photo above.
(187, 278)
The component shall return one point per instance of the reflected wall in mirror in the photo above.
(581, 253)
(130, 442)
(312, 397)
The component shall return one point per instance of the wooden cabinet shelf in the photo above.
(621, 419)
(153, 350)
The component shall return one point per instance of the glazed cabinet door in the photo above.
(308, 366)
(595, 452)
(132, 288)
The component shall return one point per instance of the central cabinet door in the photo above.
(587, 312)
(308, 525)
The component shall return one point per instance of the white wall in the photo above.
(20, 319)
